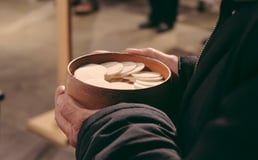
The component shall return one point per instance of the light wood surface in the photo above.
(44, 124)
(64, 47)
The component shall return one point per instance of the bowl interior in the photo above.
(151, 64)
(93, 97)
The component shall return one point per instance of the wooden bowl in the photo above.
(93, 97)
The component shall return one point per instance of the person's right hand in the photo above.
(70, 115)
(170, 60)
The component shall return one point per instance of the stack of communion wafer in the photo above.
(118, 75)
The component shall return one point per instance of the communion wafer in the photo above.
(98, 82)
(121, 85)
(129, 78)
(90, 71)
(153, 79)
(139, 67)
(139, 86)
(148, 83)
(113, 68)
(119, 75)
(128, 66)
(148, 76)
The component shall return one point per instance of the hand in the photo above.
(99, 51)
(170, 60)
(69, 114)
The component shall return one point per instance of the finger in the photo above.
(62, 123)
(99, 51)
(66, 118)
(59, 91)
(75, 113)
(68, 123)
(69, 114)
(150, 52)
(60, 102)
(67, 128)
(70, 110)
(69, 118)
(133, 51)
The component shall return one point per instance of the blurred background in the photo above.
(28, 57)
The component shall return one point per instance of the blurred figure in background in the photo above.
(162, 15)
(84, 7)
(201, 6)
(211, 5)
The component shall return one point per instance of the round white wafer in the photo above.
(121, 85)
(139, 86)
(128, 67)
(139, 67)
(118, 75)
(113, 68)
(130, 78)
(148, 76)
(148, 83)
(98, 82)
(90, 71)
(110, 85)
(150, 79)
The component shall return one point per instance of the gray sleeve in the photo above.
(128, 131)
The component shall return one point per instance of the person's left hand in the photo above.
(69, 114)
(170, 60)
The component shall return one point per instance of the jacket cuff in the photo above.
(126, 126)
(186, 67)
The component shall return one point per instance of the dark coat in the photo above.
(218, 110)
(218, 118)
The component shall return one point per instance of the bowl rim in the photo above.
(82, 57)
